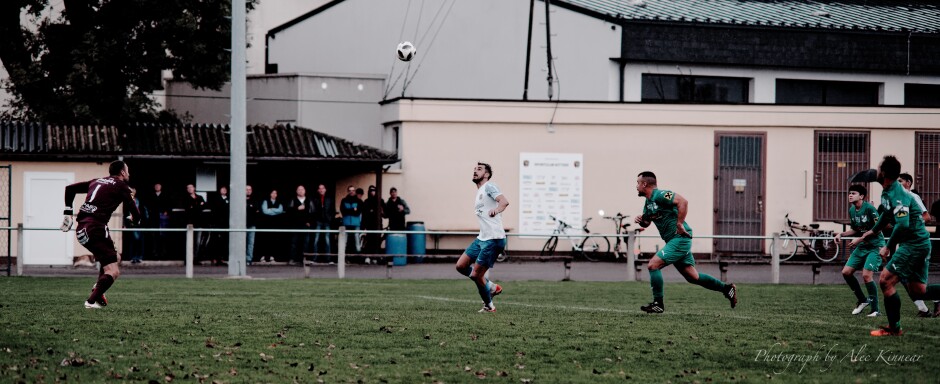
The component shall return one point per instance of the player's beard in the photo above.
(640, 194)
(477, 180)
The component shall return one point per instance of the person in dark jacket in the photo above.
(299, 212)
(372, 221)
(324, 210)
(395, 210)
(272, 217)
(252, 210)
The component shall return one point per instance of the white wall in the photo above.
(478, 53)
(346, 107)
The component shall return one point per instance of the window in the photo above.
(922, 95)
(839, 155)
(927, 167)
(694, 89)
(814, 92)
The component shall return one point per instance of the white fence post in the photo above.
(631, 256)
(20, 247)
(189, 251)
(775, 259)
(341, 248)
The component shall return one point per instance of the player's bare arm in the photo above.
(503, 203)
(683, 207)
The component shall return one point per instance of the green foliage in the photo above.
(100, 61)
(220, 330)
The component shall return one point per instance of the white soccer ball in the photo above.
(406, 51)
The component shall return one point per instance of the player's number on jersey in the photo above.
(93, 193)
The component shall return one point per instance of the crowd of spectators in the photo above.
(272, 210)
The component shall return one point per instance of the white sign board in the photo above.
(550, 185)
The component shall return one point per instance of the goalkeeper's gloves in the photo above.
(67, 221)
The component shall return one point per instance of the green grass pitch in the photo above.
(406, 331)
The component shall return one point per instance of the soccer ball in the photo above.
(406, 51)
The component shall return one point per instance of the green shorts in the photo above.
(910, 262)
(678, 250)
(864, 257)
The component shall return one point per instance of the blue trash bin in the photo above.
(416, 241)
(396, 244)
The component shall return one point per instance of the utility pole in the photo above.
(238, 151)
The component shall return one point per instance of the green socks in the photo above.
(872, 295)
(893, 306)
(857, 289)
(656, 282)
(706, 281)
(933, 292)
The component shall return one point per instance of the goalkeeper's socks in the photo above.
(104, 282)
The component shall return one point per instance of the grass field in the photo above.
(222, 330)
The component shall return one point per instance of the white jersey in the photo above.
(490, 227)
(917, 199)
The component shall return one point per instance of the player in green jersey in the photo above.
(862, 216)
(667, 210)
(909, 262)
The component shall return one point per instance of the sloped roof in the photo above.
(189, 141)
(876, 15)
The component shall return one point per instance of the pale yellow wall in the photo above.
(442, 140)
(82, 171)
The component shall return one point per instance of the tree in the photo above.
(100, 60)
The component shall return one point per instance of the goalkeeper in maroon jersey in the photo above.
(104, 195)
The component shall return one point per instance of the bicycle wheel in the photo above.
(826, 249)
(595, 248)
(503, 256)
(549, 248)
(788, 246)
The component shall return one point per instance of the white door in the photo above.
(43, 198)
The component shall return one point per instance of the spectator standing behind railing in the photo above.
(192, 205)
(324, 210)
(372, 220)
(272, 217)
(134, 242)
(395, 210)
(158, 204)
(351, 208)
(218, 246)
(298, 213)
(253, 209)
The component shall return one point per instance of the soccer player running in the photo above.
(911, 259)
(862, 216)
(489, 205)
(104, 195)
(667, 210)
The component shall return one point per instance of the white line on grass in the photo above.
(615, 310)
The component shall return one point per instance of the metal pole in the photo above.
(239, 156)
(528, 52)
(341, 248)
(775, 259)
(189, 251)
(20, 247)
(631, 257)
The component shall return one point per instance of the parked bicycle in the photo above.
(589, 248)
(820, 244)
(620, 229)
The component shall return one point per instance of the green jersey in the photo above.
(906, 215)
(864, 218)
(660, 209)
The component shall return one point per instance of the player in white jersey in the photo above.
(489, 205)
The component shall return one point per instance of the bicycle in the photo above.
(620, 228)
(821, 244)
(590, 248)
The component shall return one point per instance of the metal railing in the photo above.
(342, 234)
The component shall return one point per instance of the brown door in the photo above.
(839, 155)
(739, 192)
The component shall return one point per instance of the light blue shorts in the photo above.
(486, 251)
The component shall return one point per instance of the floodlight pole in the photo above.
(239, 158)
